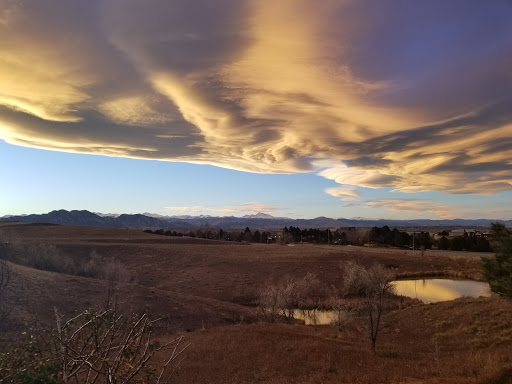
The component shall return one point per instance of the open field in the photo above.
(209, 290)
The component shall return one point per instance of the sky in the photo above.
(340, 108)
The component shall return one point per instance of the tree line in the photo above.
(468, 242)
(342, 236)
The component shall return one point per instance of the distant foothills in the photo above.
(259, 221)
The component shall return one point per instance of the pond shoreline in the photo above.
(447, 274)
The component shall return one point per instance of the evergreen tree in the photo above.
(498, 269)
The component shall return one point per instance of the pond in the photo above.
(434, 290)
(426, 290)
(314, 316)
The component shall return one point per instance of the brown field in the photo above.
(209, 289)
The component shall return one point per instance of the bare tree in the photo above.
(374, 286)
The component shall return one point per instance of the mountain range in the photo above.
(257, 221)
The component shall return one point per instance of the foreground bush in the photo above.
(93, 347)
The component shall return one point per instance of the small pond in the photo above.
(314, 316)
(426, 290)
(434, 290)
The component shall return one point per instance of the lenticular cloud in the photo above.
(374, 99)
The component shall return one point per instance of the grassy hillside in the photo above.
(208, 290)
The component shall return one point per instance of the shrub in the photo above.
(282, 298)
(95, 346)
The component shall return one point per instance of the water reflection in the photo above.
(314, 316)
(426, 290)
(434, 290)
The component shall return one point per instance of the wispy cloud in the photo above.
(344, 193)
(414, 206)
(239, 209)
(374, 99)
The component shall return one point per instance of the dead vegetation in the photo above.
(5, 278)
(211, 290)
(92, 347)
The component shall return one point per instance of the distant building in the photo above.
(461, 231)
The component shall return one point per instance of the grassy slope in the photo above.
(463, 341)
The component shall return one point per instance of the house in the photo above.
(461, 231)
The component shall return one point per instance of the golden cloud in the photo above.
(279, 87)
(344, 193)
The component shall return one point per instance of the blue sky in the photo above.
(377, 109)
(39, 181)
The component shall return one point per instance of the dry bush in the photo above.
(92, 347)
(279, 299)
(283, 298)
(41, 256)
(113, 273)
(5, 277)
(353, 273)
(47, 257)
(91, 268)
(311, 292)
(269, 302)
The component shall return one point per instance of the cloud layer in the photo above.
(417, 97)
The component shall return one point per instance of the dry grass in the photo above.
(428, 344)
(229, 271)
(199, 285)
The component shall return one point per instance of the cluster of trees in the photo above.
(351, 236)
(400, 239)
(468, 242)
(247, 235)
(312, 235)
(370, 286)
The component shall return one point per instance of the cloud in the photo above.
(247, 208)
(345, 193)
(414, 206)
(372, 99)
